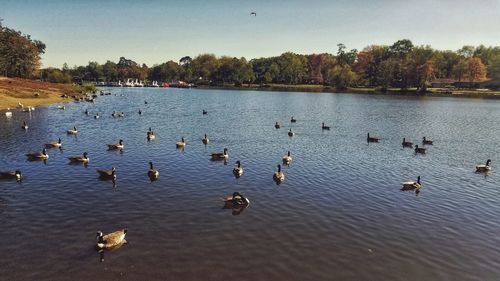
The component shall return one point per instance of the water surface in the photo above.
(338, 215)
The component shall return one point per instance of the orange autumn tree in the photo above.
(476, 70)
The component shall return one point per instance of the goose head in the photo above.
(488, 162)
(121, 142)
(85, 155)
(225, 151)
(151, 165)
(59, 141)
(418, 179)
(238, 163)
(288, 153)
(44, 151)
(279, 168)
(182, 139)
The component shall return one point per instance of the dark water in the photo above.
(339, 215)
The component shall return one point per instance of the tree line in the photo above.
(400, 65)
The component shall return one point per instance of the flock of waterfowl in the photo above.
(235, 201)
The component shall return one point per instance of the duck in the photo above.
(181, 143)
(238, 170)
(236, 199)
(73, 131)
(205, 112)
(96, 115)
(220, 156)
(410, 185)
(287, 158)
(111, 240)
(277, 125)
(484, 168)
(279, 176)
(24, 126)
(419, 149)
(107, 174)
(6, 175)
(372, 139)
(290, 133)
(38, 155)
(56, 144)
(205, 140)
(426, 141)
(150, 134)
(116, 146)
(407, 143)
(323, 127)
(8, 113)
(80, 158)
(293, 120)
(153, 174)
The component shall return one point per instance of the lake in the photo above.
(339, 214)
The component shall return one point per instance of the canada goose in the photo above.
(419, 149)
(220, 156)
(116, 146)
(287, 158)
(80, 158)
(293, 120)
(24, 126)
(107, 174)
(56, 144)
(236, 199)
(204, 112)
(410, 185)
(290, 133)
(372, 139)
(238, 170)
(279, 176)
(484, 168)
(205, 140)
(153, 174)
(426, 141)
(407, 143)
(8, 113)
(323, 127)
(277, 125)
(96, 115)
(181, 143)
(62, 107)
(111, 240)
(38, 155)
(150, 134)
(17, 175)
(73, 131)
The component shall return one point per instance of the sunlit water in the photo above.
(339, 214)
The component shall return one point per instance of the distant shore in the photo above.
(434, 92)
(34, 93)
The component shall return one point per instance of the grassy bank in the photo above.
(33, 93)
(438, 92)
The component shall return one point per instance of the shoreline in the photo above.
(34, 93)
(431, 92)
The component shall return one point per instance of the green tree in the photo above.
(341, 76)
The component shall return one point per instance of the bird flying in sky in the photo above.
(253, 14)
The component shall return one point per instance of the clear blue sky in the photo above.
(154, 31)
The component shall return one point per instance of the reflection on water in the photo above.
(340, 211)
